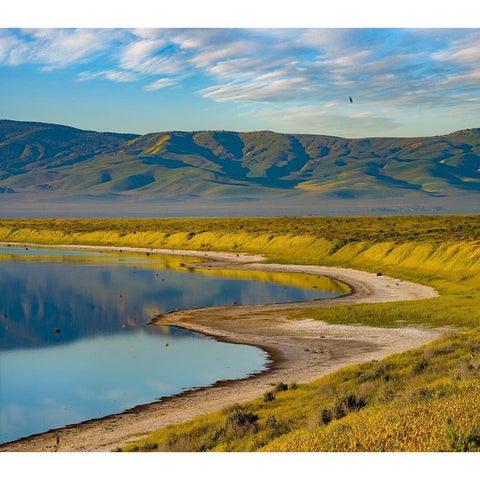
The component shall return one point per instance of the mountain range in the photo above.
(38, 158)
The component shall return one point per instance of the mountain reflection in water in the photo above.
(74, 343)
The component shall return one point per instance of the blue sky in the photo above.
(404, 82)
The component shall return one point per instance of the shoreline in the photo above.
(214, 256)
(300, 349)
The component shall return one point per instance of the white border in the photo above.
(244, 13)
(212, 466)
(227, 14)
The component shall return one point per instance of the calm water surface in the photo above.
(74, 343)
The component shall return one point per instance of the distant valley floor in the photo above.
(59, 206)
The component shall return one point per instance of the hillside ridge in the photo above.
(41, 157)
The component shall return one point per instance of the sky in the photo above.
(403, 82)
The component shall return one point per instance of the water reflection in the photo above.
(82, 294)
(94, 377)
(74, 341)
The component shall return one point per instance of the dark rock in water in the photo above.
(57, 330)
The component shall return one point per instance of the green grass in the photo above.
(426, 399)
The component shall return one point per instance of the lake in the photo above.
(74, 339)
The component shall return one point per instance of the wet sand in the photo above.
(300, 349)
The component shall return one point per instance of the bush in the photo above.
(241, 417)
(293, 386)
(326, 416)
(237, 423)
(281, 387)
(268, 396)
(277, 427)
(348, 403)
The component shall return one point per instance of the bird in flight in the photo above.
(350, 98)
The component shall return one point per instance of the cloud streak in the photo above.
(307, 72)
(57, 48)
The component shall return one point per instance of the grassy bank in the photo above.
(423, 400)
(441, 251)
(420, 400)
(425, 245)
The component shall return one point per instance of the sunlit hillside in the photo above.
(39, 158)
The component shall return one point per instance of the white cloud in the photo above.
(259, 90)
(113, 75)
(325, 38)
(321, 67)
(160, 83)
(195, 38)
(213, 53)
(463, 51)
(136, 53)
(120, 76)
(54, 48)
(146, 58)
(7, 43)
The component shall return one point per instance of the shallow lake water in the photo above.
(74, 339)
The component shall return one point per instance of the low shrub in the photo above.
(268, 396)
(326, 416)
(281, 387)
(346, 404)
(241, 417)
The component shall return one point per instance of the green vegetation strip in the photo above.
(425, 399)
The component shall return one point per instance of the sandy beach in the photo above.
(300, 349)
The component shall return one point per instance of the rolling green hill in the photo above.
(36, 157)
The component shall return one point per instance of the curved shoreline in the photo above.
(300, 349)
